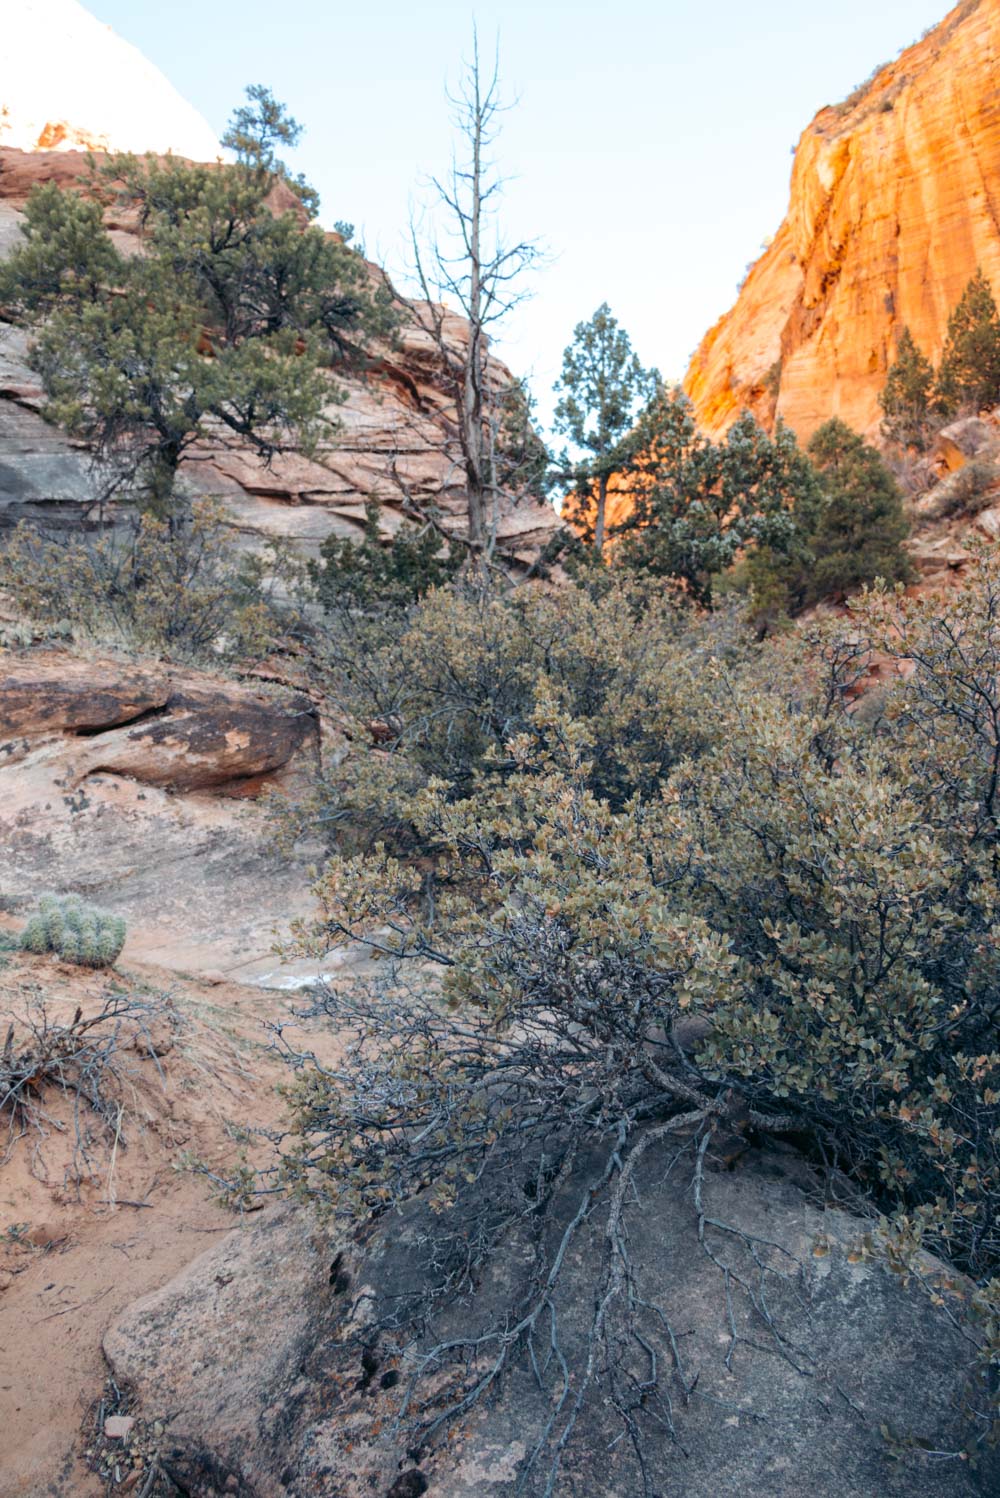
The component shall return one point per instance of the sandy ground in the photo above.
(81, 1238)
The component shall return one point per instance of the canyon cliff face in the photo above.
(895, 200)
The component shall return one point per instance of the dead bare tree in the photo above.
(481, 274)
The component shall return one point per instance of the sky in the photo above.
(648, 146)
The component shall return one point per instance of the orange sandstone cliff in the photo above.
(895, 200)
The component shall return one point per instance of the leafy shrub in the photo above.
(180, 590)
(809, 891)
(75, 932)
(370, 573)
(444, 689)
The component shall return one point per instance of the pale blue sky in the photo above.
(650, 145)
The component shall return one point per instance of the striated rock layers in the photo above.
(69, 83)
(395, 440)
(895, 200)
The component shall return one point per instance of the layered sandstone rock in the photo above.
(395, 440)
(895, 200)
(69, 83)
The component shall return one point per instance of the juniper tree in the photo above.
(698, 505)
(850, 524)
(906, 398)
(221, 327)
(602, 387)
(861, 526)
(969, 373)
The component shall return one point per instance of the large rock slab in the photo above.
(195, 731)
(245, 1357)
(46, 691)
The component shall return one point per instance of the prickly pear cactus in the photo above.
(75, 932)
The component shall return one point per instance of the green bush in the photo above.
(182, 590)
(850, 531)
(372, 574)
(75, 932)
(808, 890)
(443, 690)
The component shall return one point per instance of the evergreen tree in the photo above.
(699, 505)
(222, 325)
(906, 398)
(850, 530)
(861, 526)
(969, 376)
(371, 575)
(602, 388)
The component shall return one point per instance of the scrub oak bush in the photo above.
(442, 689)
(808, 887)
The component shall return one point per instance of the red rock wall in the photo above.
(895, 200)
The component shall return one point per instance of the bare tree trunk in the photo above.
(479, 274)
(472, 393)
(602, 504)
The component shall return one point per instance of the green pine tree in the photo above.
(698, 505)
(602, 388)
(906, 398)
(225, 323)
(969, 375)
(862, 526)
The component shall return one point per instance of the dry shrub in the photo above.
(810, 892)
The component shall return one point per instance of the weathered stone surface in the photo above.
(206, 736)
(245, 1356)
(203, 731)
(893, 206)
(954, 445)
(117, 782)
(46, 691)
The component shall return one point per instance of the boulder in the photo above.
(962, 440)
(193, 730)
(246, 1357)
(206, 736)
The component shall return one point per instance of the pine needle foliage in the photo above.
(968, 378)
(222, 327)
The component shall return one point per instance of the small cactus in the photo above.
(75, 931)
